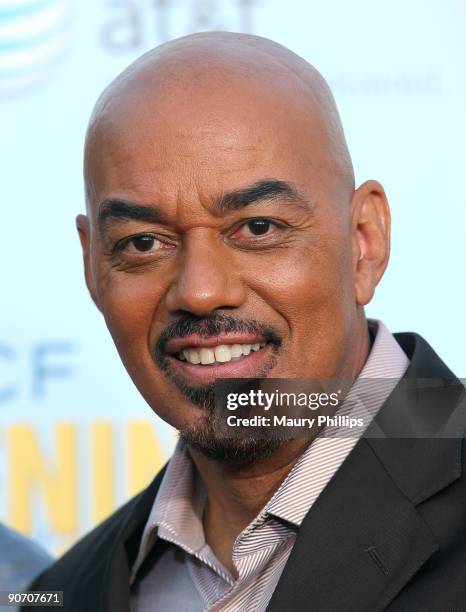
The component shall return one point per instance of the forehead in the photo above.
(197, 137)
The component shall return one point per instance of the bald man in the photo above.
(225, 239)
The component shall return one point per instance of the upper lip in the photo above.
(176, 345)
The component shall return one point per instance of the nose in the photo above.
(206, 277)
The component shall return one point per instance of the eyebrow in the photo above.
(267, 189)
(114, 208)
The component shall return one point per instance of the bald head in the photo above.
(221, 88)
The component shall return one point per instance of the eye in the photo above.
(258, 227)
(144, 243)
(255, 227)
(139, 244)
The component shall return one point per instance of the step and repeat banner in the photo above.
(76, 440)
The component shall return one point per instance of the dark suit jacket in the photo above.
(387, 533)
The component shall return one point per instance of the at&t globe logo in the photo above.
(33, 35)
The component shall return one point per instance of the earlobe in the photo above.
(371, 239)
(83, 227)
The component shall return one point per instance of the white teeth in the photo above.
(219, 354)
(236, 350)
(193, 357)
(222, 354)
(207, 356)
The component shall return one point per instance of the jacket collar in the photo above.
(364, 538)
(417, 435)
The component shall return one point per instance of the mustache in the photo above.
(213, 326)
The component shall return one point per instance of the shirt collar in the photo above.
(316, 466)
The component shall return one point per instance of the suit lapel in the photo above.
(364, 538)
(358, 546)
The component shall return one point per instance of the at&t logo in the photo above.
(33, 35)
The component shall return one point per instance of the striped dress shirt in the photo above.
(187, 576)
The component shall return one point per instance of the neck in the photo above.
(237, 494)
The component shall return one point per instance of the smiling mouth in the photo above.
(219, 354)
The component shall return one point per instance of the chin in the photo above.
(242, 452)
(238, 451)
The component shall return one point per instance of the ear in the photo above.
(84, 231)
(370, 215)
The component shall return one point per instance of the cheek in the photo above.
(129, 305)
(128, 302)
(306, 285)
(310, 288)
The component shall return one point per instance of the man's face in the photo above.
(219, 233)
